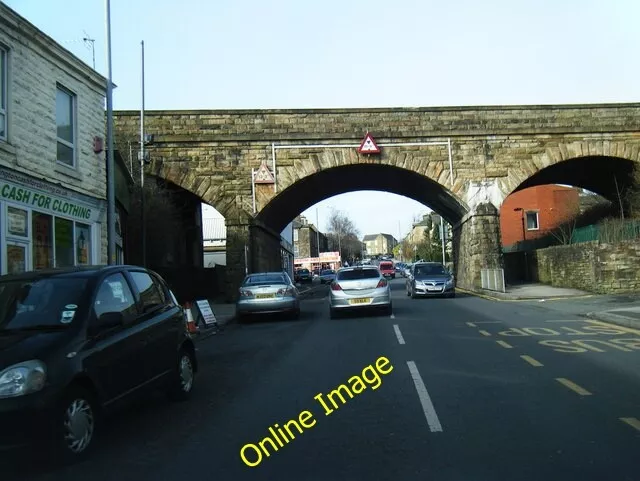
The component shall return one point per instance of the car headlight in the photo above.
(450, 281)
(23, 378)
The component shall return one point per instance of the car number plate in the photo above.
(434, 289)
(362, 300)
(265, 296)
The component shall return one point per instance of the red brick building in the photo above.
(533, 212)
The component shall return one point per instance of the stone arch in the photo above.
(207, 189)
(594, 165)
(306, 188)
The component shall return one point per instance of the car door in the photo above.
(112, 354)
(160, 322)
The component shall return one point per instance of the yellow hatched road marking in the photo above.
(484, 333)
(573, 386)
(532, 361)
(471, 324)
(633, 422)
(505, 344)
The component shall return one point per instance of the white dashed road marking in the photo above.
(398, 334)
(425, 399)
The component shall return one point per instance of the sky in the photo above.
(232, 54)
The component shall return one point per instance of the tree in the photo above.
(343, 236)
(633, 193)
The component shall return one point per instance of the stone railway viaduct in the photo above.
(312, 155)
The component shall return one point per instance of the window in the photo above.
(532, 221)
(114, 295)
(17, 222)
(64, 242)
(150, 294)
(358, 274)
(42, 248)
(65, 124)
(83, 244)
(3, 93)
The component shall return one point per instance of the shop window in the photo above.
(151, 295)
(17, 222)
(42, 228)
(16, 257)
(83, 244)
(65, 123)
(64, 242)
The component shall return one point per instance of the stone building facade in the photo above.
(52, 168)
(307, 240)
(379, 244)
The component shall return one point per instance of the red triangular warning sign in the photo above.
(263, 175)
(368, 145)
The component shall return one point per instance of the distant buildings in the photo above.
(307, 240)
(379, 244)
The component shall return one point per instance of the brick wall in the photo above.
(553, 203)
(591, 266)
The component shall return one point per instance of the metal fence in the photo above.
(493, 279)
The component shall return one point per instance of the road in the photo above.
(479, 390)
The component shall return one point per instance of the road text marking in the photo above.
(532, 361)
(398, 334)
(633, 422)
(573, 386)
(484, 333)
(505, 344)
(471, 324)
(425, 399)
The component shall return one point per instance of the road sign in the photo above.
(263, 175)
(368, 145)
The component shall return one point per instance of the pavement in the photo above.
(472, 389)
(620, 309)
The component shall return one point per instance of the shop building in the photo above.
(52, 159)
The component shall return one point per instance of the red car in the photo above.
(387, 269)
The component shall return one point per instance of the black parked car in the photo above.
(75, 343)
(303, 275)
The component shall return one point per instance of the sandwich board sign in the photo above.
(206, 313)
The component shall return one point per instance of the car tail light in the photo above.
(382, 283)
(336, 287)
(245, 293)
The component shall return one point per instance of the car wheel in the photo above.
(332, 313)
(295, 315)
(452, 295)
(408, 293)
(183, 377)
(74, 426)
(413, 294)
(388, 310)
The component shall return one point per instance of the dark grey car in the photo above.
(430, 279)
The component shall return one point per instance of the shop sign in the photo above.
(48, 203)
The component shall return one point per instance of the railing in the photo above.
(493, 279)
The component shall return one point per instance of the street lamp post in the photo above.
(111, 200)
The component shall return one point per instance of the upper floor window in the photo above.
(66, 126)
(532, 221)
(3, 92)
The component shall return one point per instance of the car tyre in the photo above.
(333, 314)
(295, 315)
(408, 293)
(74, 420)
(413, 294)
(183, 377)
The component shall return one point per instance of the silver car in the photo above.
(358, 287)
(429, 279)
(268, 292)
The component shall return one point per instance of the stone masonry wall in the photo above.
(592, 266)
(476, 246)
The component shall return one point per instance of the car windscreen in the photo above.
(50, 301)
(430, 270)
(303, 271)
(265, 280)
(358, 274)
(327, 273)
(386, 265)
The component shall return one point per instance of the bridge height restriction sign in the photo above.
(368, 145)
(207, 314)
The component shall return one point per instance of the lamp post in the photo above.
(111, 198)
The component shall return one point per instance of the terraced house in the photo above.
(52, 169)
